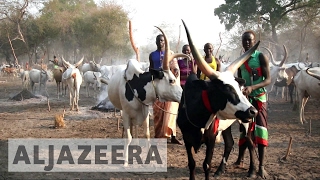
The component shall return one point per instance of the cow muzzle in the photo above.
(246, 116)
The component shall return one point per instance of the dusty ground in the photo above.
(31, 119)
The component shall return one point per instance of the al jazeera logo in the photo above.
(87, 155)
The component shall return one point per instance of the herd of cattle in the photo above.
(132, 87)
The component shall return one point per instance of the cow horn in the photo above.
(100, 61)
(202, 64)
(285, 56)
(65, 62)
(165, 63)
(79, 62)
(272, 58)
(234, 66)
(312, 74)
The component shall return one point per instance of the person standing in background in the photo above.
(186, 66)
(164, 113)
(210, 59)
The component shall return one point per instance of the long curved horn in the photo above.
(165, 63)
(202, 64)
(100, 61)
(285, 56)
(234, 66)
(79, 62)
(271, 56)
(136, 50)
(65, 62)
(312, 74)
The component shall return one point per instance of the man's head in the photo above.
(186, 49)
(160, 41)
(248, 39)
(208, 49)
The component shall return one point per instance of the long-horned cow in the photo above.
(276, 68)
(202, 100)
(57, 71)
(91, 66)
(132, 90)
(92, 78)
(72, 77)
(307, 83)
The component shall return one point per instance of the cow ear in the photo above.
(241, 81)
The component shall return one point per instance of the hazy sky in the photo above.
(198, 16)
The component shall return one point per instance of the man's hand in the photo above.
(247, 90)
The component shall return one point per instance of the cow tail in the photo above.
(74, 75)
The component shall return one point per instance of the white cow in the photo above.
(73, 79)
(39, 76)
(132, 90)
(25, 79)
(106, 71)
(91, 66)
(92, 78)
(307, 85)
(276, 68)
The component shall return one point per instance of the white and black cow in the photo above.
(201, 100)
(132, 90)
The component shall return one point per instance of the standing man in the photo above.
(210, 59)
(256, 72)
(164, 113)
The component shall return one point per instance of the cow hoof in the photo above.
(238, 164)
(217, 174)
(251, 175)
(262, 172)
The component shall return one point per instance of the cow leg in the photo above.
(283, 91)
(146, 127)
(57, 88)
(210, 142)
(191, 161)
(65, 89)
(71, 94)
(228, 145)
(77, 91)
(303, 104)
(127, 135)
(87, 89)
(32, 86)
(291, 88)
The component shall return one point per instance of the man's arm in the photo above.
(150, 62)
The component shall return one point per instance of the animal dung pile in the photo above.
(59, 121)
(24, 94)
(105, 106)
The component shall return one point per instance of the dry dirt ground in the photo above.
(30, 118)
